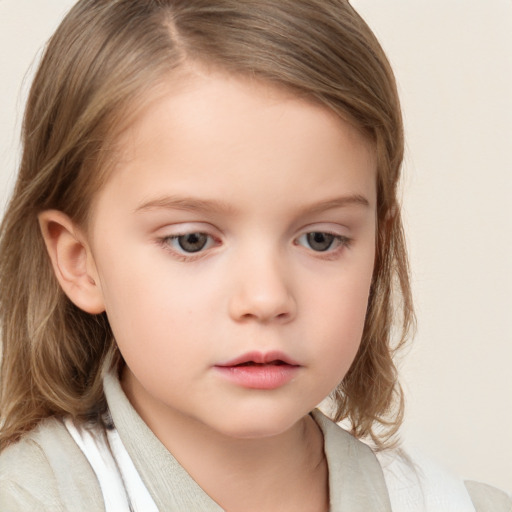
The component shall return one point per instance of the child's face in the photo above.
(238, 226)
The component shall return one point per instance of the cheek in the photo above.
(342, 323)
(152, 310)
(136, 302)
(339, 319)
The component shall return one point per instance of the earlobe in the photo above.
(72, 260)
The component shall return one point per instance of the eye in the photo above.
(321, 241)
(189, 242)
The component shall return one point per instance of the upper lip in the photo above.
(260, 358)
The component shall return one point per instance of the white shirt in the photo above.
(415, 484)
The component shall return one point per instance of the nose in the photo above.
(262, 291)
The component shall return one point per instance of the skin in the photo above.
(255, 169)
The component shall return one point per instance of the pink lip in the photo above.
(256, 370)
(260, 358)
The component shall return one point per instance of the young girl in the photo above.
(203, 243)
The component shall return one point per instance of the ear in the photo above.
(72, 260)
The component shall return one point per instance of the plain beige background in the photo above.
(453, 61)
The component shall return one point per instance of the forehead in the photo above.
(198, 91)
(228, 135)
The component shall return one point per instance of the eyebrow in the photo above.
(191, 204)
(338, 202)
(187, 204)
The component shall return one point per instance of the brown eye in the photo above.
(192, 242)
(319, 241)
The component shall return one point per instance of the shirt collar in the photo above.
(356, 481)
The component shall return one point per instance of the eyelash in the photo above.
(340, 241)
(182, 255)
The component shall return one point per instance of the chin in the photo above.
(259, 424)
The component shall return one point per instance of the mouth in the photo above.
(255, 370)
(277, 362)
(260, 359)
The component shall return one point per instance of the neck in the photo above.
(257, 474)
(284, 472)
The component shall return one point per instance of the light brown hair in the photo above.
(91, 82)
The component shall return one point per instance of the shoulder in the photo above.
(356, 480)
(488, 499)
(416, 482)
(47, 471)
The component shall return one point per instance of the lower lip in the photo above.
(265, 376)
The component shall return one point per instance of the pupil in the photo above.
(320, 241)
(193, 242)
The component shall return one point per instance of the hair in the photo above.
(92, 80)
